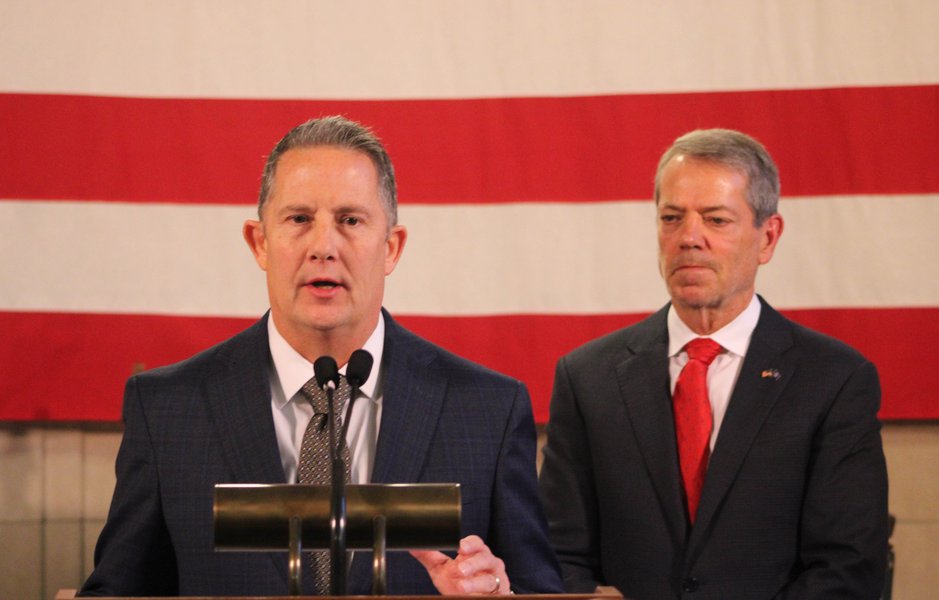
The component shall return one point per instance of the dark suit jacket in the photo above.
(208, 420)
(794, 503)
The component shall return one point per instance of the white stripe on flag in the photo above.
(360, 49)
(552, 258)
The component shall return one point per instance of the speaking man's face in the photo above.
(325, 244)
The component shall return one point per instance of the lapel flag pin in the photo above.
(771, 373)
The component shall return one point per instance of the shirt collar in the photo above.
(293, 371)
(733, 337)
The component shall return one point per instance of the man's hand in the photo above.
(475, 570)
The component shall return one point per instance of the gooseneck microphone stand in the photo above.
(327, 372)
(357, 372)
(327, 377)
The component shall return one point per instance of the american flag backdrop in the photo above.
(525, 136)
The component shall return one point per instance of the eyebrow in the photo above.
(294, 208)
(667, 206)
(706, 209)
(343, 209)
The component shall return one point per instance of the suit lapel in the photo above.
(239, 400)
(643, 383)
(412, 398)
(765, 372)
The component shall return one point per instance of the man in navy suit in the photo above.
(791, 497)
(326, 237)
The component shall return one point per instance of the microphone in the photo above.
(357, 372)
(359, 368)
(325, 370)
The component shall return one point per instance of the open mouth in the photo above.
(325, 284)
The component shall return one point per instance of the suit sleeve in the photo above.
(519, 532)
(843, 534)
(568, 490)
(134, 556)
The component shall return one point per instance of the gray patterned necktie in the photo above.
(314, 466)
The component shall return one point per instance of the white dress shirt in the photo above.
(289, 371)
(734, 338)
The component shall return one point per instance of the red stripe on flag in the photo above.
(832, 141)
(895, 341)
(72, 367)
(92, 355)
(527, 347)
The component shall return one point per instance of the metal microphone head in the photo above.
(325, 370)
(359, 368)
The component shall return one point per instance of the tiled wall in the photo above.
(55, 487)
(913, 468)
(56, 483)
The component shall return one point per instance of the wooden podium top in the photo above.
(602, 593)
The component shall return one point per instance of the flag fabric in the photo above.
(525, 136)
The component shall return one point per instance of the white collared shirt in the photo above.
(289, 371)
(723, 372)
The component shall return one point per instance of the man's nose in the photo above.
(323, 240)
(691, 232)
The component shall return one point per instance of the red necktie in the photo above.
(693, 421)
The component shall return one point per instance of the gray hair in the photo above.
(737, 151)
(340, 132)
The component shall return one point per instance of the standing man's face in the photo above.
(326, 246)
(709, 248)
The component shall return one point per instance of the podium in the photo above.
(267, 517)
(602, 593)
(379, 517)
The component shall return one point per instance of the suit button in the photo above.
(690, 584)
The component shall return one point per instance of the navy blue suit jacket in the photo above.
(794, 503)
(208, 420)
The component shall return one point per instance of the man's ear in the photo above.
(394, 246)
(770, 231)
(253, 232)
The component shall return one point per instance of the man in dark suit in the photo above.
(327, 236)
(759, 476)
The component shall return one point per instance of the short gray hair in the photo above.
(735, 150)
(340, 132)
